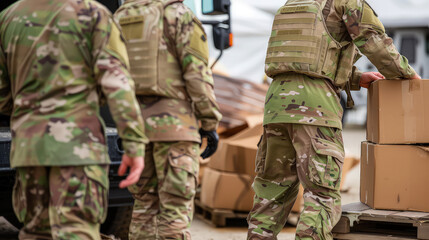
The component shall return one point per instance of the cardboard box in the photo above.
(398, 112)
(349, 164)
(220, 190)
(395, 177)
(237, 154)
(299, 202)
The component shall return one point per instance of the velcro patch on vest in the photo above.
(131, 19)
(132, 27)
(294, 9)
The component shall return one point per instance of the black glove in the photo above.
(212, 141)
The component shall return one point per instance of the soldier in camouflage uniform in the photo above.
(56, 57)
(168, 53)
(310, 57)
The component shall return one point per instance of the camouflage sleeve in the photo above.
(111, 71)
(355, 79)
(369, 36)
(192, 51)
(5, 88)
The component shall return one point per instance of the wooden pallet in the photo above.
(359, 221)
(218, 217)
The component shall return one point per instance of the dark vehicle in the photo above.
(120, 200)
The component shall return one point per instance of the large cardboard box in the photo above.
(395, 177)
(220, 190)
(398, 112)
(237, 154)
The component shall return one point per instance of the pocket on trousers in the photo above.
(325, 168)
(95, 200)
(19, 200)
(181, 177)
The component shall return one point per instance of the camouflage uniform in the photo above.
(163, 207)
(56, 58)
(302, 140)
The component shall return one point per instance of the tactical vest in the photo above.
(154, 68)
(300, 42)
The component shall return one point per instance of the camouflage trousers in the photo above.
(61, 202)
(164, 195)
(290, 154)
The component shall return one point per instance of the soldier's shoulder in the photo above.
(177, 10)
(91, 7)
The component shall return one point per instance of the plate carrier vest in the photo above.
(300, 42)
(154, 69)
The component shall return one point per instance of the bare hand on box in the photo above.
(368, 77)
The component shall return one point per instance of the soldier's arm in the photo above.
(192, 52)
(111, 71)
(6, 102)
(369, 36)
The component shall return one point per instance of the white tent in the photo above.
(251, 25)
(402, 13)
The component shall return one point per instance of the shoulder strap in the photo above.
(327, 9)
(171, 43)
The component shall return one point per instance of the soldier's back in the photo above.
(49, 50)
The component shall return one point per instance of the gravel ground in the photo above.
(202, 231)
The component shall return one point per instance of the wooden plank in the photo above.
(216, 217)
(386, 219)
(423, 231)
(343, 226)
(363, 236)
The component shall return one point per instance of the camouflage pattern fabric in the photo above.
(164, 195)
(192, 99)
(297, 98)
(290, 154)
(61, 202)
(308, 100)
(56, 57)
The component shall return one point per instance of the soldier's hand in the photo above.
(368, 77)
(416, 76)
(136, 165)
(212, 142)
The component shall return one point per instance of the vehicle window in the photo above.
(409, 48)
(5, 3)
(111, 5)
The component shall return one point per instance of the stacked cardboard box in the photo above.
(395, 160)
(228, 176)
(227, 180)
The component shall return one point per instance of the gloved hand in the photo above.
(212, 142)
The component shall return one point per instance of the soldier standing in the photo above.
(168, 53)
(311, 53)
(56, 56)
